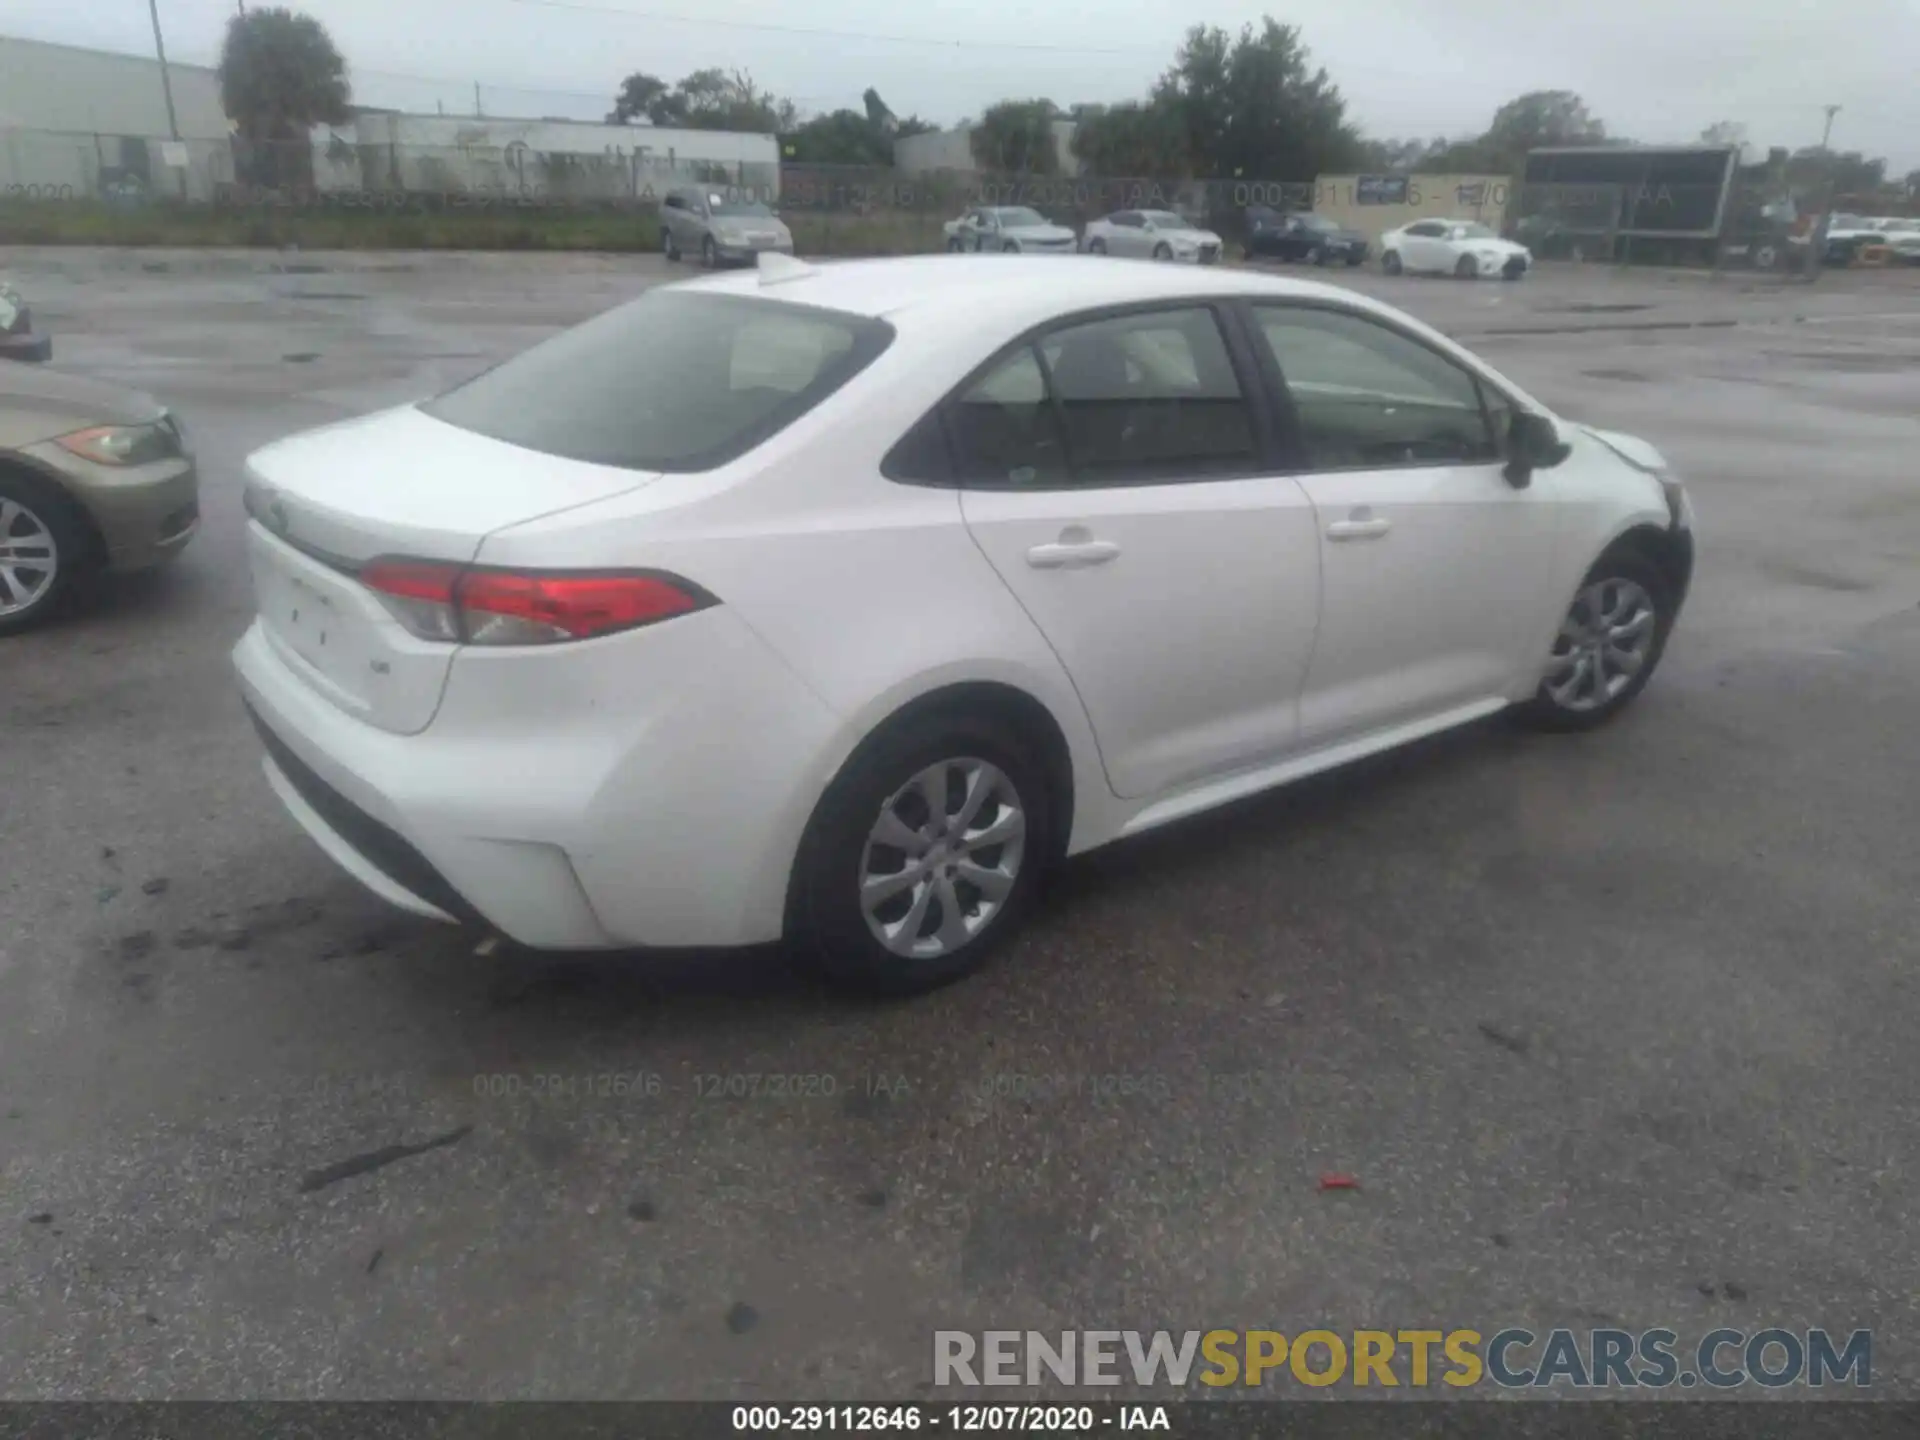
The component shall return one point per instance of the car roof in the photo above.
(1037, 287)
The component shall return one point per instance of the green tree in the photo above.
(1393, 156)
(1835, 172)
(644, 94)
(1529, 122)
(852, 137)
(1255, 106)
(280, 75)
(1134, 140)
(711, 99)
(1017, 136)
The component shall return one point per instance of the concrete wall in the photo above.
(1429, 197)
(552, 158)
(60, 87)
(953, 150)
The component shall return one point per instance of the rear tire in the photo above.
(1390, 262)
(1163, 251)
(954, 923)
(667, 247)
(1317, 256)
(43, 547)
(1624, 607)
(1466, 269)
(956, 247)
(1096, 247)
(709, 254)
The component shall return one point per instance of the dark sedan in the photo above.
(1301, 236)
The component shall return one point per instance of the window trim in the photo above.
(1270, 457)
(1288, 419)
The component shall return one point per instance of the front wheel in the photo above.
(1163, 251)
(1096, 247)
(1390, 262)
(1609, 643)
(40, 548)
(923, 855)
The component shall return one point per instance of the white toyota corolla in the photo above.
(840, 603)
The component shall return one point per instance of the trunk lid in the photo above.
(397, 483)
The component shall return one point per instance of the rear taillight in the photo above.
(476, 606)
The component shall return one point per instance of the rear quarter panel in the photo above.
(872, 592)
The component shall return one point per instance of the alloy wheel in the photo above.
(29, 558)
(942, 858)
(1603, 644)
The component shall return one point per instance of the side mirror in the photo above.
(1533, 443)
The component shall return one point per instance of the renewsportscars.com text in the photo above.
(1511, 1358)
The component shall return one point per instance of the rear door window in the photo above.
(677, 380)
(1151, 393)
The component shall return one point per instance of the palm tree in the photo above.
(280, 75)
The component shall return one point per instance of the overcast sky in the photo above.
(1653, 70)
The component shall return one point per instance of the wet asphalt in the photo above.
(1611, 1030)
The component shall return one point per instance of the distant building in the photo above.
(952, 150)
(101, 92)
(75, 122)
(554, 159)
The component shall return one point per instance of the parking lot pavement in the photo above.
(1610, 1030)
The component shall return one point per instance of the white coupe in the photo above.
(841, 603)
(1452, 247)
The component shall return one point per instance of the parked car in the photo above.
(840, 602)
(1902, 236)
(18, 339)
(91, 477)
(1847, 235)
(1013, 229)
(719, 230)
(1152, 235)
(1300, 235)
(1452, 247)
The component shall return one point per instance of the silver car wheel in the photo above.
(1603, 643)
(942, 858)
(29, 558)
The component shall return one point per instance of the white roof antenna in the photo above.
(777, 269)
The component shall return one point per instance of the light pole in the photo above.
(1827, 133)
(166, 87)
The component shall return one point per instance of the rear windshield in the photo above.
(677, 380)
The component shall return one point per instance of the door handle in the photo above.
(1076, 555)
(1358, 529)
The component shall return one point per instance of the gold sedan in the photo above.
(92, 478)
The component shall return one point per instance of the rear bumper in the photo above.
(32, 347)
(652, 794)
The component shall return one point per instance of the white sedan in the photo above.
(1452, 247)
(840, 603)
(1152, 235)
(1011, 230)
